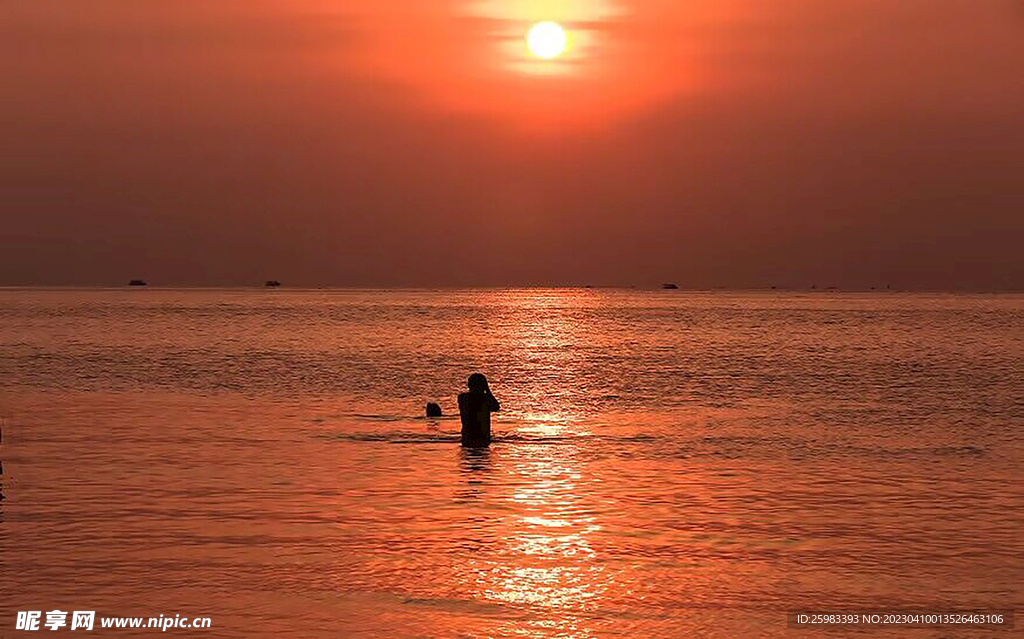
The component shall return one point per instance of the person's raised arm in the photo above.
(492, 403)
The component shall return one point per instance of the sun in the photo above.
(546, 40)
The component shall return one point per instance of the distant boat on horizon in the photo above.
(138, 283)
(670, 286)
(272, 283)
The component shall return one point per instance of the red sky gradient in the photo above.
(740, 143)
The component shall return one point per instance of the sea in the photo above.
(666, 463)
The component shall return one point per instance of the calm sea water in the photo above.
(667, 463)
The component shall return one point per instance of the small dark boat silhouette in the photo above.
(669, 287)
(138, 283)
(273, 283)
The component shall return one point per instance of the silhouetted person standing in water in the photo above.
(475, 408)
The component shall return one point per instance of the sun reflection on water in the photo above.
(545, 342)
(546, 550)
(544, 553)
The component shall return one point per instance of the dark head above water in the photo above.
(477, 383)
(433, 410)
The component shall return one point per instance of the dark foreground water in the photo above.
(667, 463)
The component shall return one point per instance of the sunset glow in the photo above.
(407, 127)
(512, 318)
(546, 40)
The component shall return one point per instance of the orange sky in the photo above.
(415, 142)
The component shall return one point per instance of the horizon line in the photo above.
(660, 288)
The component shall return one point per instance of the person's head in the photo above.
(477, 383)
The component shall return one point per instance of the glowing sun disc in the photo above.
(546, 40)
